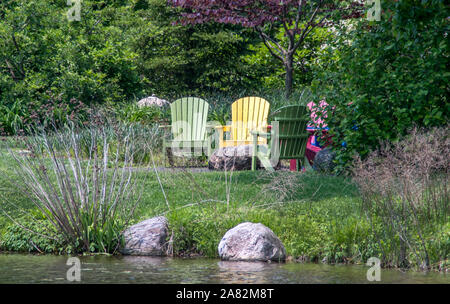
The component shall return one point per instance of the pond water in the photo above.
(16, 268)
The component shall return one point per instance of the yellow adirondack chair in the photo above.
(247, 114)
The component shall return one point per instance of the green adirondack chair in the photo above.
(188, 129)
(286, 140)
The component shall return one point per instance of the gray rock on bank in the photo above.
(147, 238)
(251, 242)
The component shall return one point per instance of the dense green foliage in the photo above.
(36, 239)
(43, 51)
(44, 56)
(395, 73)
(177, 60)
(120, 51)
(132, 113)
(305, 61)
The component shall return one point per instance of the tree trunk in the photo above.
(288, 66)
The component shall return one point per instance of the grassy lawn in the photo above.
(317, 217)
(317, 211)
(308, 211)
(303, 209)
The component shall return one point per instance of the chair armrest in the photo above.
(168, 131)
(223, 128)
(210, 129)
(166, 128)
(261, 134)
(256, 148)
(212, 125)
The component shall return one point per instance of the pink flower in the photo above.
(315, 114)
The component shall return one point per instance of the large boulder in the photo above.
(323, 161)
(232, 158)
(147, 238)
(251, 242)
(152, 101)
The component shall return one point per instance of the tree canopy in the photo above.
(297, 18)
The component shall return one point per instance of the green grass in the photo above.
(200, 212)
(320, 218)
(317, 217)
(10, 195)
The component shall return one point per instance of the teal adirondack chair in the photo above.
(286, 140)
(188, 129)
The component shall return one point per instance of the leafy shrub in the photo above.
(40, 236)
(90, 61)
(22, 117)
(132, 113)
(11, 118)
(388, 76)
(438, 244)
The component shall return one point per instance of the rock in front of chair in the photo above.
(234, 158)
(251, 242)
(148, 238)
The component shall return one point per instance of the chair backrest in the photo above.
(248, 114)
(292, 133)
(189, 115)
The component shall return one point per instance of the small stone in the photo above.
(251, 242)
(323, 161)
(232, 158)
(147, 238)
(152, 101)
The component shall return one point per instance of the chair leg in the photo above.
(169, 156)
(307, 164)
(297, 165)
(209, 148)
(254, 151)
(165, 158)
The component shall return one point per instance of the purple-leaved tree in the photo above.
(298, 18)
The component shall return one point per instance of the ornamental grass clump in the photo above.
(405, 195)
(85, 181)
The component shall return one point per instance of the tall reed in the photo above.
(405, 194)
(84, 179)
